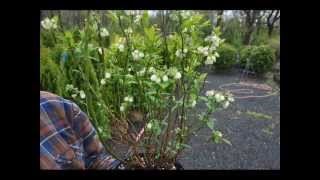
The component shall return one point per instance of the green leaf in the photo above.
(203, 98)
(93, 58)
(226, 141)
(203, 76)
(216, 136)
(185, 145)
(151, 92)
(210, 123)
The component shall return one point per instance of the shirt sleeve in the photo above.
(95, 154)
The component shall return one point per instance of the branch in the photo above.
(276, 17)
(269, 18)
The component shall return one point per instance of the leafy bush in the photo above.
(274, 43)
(245, 54)
(51, 77)
(233, 32)
(260, 59)
(260, 37)
(227, 57)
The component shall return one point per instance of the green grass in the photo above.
(259, 116)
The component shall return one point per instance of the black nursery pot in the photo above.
(178, 165)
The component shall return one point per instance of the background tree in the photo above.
(251, 17)
(273, 17)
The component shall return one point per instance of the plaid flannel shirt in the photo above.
(67, 138)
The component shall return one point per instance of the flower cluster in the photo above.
(141, 72)
(207, 51)
(210, 59)
(225, 98)
(152, 70)
(137, 19)
(180, 54)
(107, 75)
(203, 50)
(100, 50)
(127, 101)
(128, 31)
(215, 41)
(155, 78)
(164, 77)
(121, 47)
(186, 14)
(75, 91)
(49, 23)
(136, 54)
(104, 32)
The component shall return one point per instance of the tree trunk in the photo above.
(220, 19)
(247, 36)
(270, 30)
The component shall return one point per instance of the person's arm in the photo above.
(95, 155)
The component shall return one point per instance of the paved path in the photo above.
(255, 141)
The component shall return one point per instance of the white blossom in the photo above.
(128, 31)
(180, 54)
(74, 96)
(185, 30)
(219, 97)
(141, 55)
(226, 104)
(230, 98)
(141, 73)
(193, 104)
(203, 50)
(69, 87)
(82, 94)
(178, 75)
(121, 47)
(210, 93)
(165, 78)
(210, 60)
(121, 108)
(155, 78)
(49, 23)
(46, 23)
(137, 19)
(137, 55)
(104, 32)
(128, 99)
(213, 48)
(103, 81)
(214, 39)
(149, 125)
(152, 70)
(100, 50)
(129, 76)
(107, 75)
